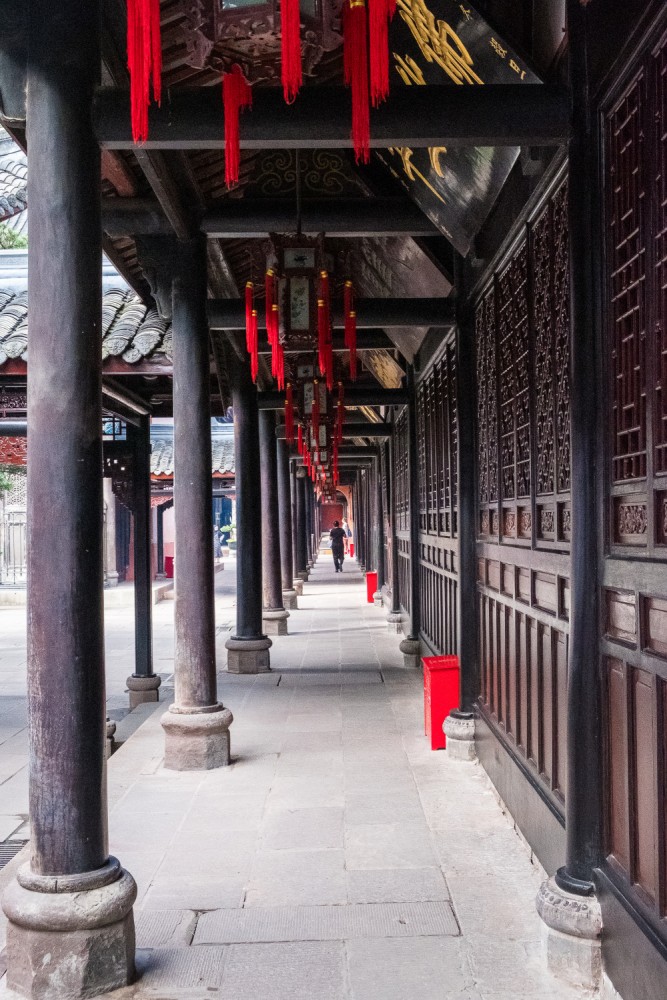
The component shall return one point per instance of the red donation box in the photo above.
(371, 586)
(169, 567)
(351, 550)
(441, 695)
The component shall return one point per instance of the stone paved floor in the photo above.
(337, 857)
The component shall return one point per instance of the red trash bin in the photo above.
(351, 550)
(371, 586)
(441, 695)
(169, 567)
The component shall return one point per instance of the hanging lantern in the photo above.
(236, 94)
(315, 417)
(289, 414)
(355, 72)
(144, 61)
(350, 326)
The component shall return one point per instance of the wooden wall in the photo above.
(522, 347)
(634, 598)
(437, 438)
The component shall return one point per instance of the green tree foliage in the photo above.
(9, 240)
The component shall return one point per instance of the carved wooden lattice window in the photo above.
(487, 397)
(636, 227)
(512, 311)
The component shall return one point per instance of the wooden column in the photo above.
(395, 616)
(309, 522)
(160, 540)
(379, 518)
(460, 726)
(248, 648)
(573, 930)
(301, 549)
(410, 647)
(584, 803)
(143, 684)
(196, 726)
(285, 524)
(70, 924)
(274, 615)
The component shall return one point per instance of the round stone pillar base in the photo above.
(71, 943)
(395, 622)
(275, 622)
(196, 740)
(410, 649)
(571, 930)
(298, 586)
(377, 599)
(109, 742)
(290, 599)
(303, 575)
(143, 689)
(248, 656)
(460, 733)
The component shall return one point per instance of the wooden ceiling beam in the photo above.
(248, 219)
(229, 314)
(437, 115)
(367, 340)
(355, 395)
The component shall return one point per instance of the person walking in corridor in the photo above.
(337, 536)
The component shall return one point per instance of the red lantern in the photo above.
(355, 72)
(236, 94)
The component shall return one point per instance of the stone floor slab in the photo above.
(411, 968)
(400, 885)
(326, 923)
(289, 971)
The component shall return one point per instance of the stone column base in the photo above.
(197, 739)
(248, 656)
(395, 622)
(298, 586)
(67, 938)
(571, 930)
(303, 575)
(460, 735)
(275, 622)
(377, 599)
(109, 742)
(290, 599)
(411, 650)
(143, 689)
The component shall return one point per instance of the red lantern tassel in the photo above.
(355, 69)
(290, 29)
(236, 94)
(350, 327)
(254, 353)
(144, 61)
(248, 315)
(315, 417)
(299, 442)
(380, 13)
(289, 414)
(280, 366)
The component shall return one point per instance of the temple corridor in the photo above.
(337, 856)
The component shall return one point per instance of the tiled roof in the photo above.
(130, 330)
(222, 464)
(13, 184)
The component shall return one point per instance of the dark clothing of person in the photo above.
(337, 536)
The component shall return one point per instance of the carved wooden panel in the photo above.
(523, 357)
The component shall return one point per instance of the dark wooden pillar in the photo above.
(196, 726)
(274, 615)
(410, 646)
(395, 616)
(285, 524)
(572, 929)
(309, 522)
(143, 684)
(70, 938)
(379, 532)
(460, 726)
(248, 648)
(584, 802)
(301, 528)
(160, 540)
